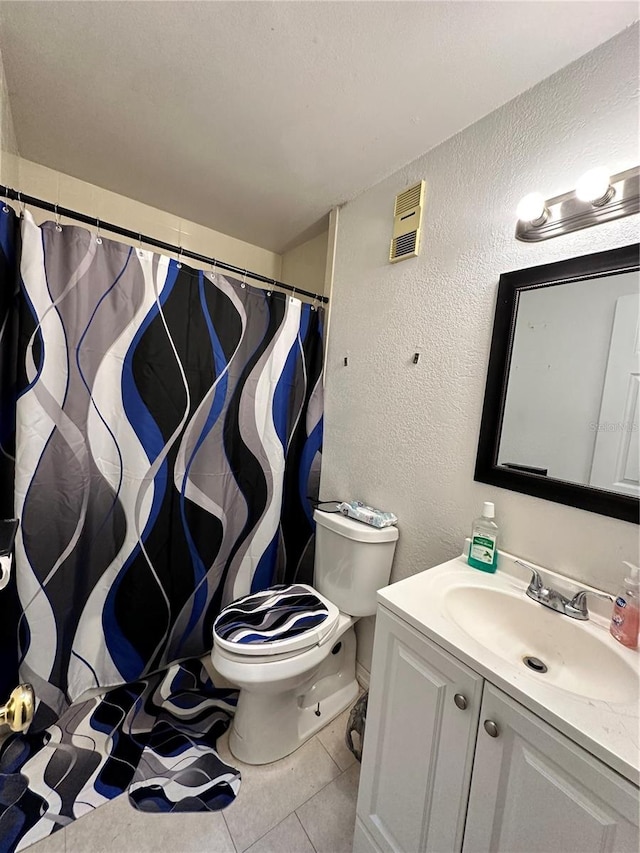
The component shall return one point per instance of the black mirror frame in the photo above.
(604, 502)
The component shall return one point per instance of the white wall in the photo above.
(557, 372)
(8, 147)
(404, 437)
(305, 265)
(58, 188)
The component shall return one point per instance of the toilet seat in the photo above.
(276, 621)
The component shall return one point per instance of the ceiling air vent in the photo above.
(405, 242)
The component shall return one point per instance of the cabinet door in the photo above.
(534, 790)
(418, 746)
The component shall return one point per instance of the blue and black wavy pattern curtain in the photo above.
(168, 427)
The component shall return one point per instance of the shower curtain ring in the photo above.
(21, 204)
(57, 215)
(273, 284)
(293, 293)
(98, 237)
(5, 207)
(244, 280)
(179, 262)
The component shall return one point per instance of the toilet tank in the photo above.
(353, 561)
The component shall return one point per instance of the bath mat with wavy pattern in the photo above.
(155, 738)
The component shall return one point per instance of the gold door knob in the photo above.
(18, 712)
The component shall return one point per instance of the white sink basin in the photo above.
(579, 658)
(591, 689)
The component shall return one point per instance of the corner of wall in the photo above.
(8, 144)
(305, 265)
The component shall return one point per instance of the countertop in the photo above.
(608, 730)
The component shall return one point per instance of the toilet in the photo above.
(292, 649)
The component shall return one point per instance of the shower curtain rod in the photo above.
(14, 195)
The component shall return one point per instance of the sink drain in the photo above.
(535, 663)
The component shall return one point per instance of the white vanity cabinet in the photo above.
(451, 763)
(419, 744)
(535, 790)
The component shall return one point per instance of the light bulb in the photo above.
(532, 209)
(595, 186)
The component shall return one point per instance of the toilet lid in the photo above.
(277, 620)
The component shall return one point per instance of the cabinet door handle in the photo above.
(491, 728)
(461, 701)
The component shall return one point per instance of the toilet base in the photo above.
(268, 726)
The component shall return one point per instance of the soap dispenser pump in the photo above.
(626, 610)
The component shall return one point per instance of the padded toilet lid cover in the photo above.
(276, 620)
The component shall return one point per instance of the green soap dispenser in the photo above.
(483, 551)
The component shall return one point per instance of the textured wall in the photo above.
(8, 147)
(404, 437)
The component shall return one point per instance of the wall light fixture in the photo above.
(595, 187)
(532, 209)
(598, 197)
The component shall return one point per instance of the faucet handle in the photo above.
(578, 604)
(535, 583)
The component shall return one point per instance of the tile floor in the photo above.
(302, 804)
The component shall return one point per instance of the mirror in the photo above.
(560, 418)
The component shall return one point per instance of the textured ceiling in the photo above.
(255, 118)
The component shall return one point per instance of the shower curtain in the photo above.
(167, 426)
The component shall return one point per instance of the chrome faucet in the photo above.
(575, 607)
